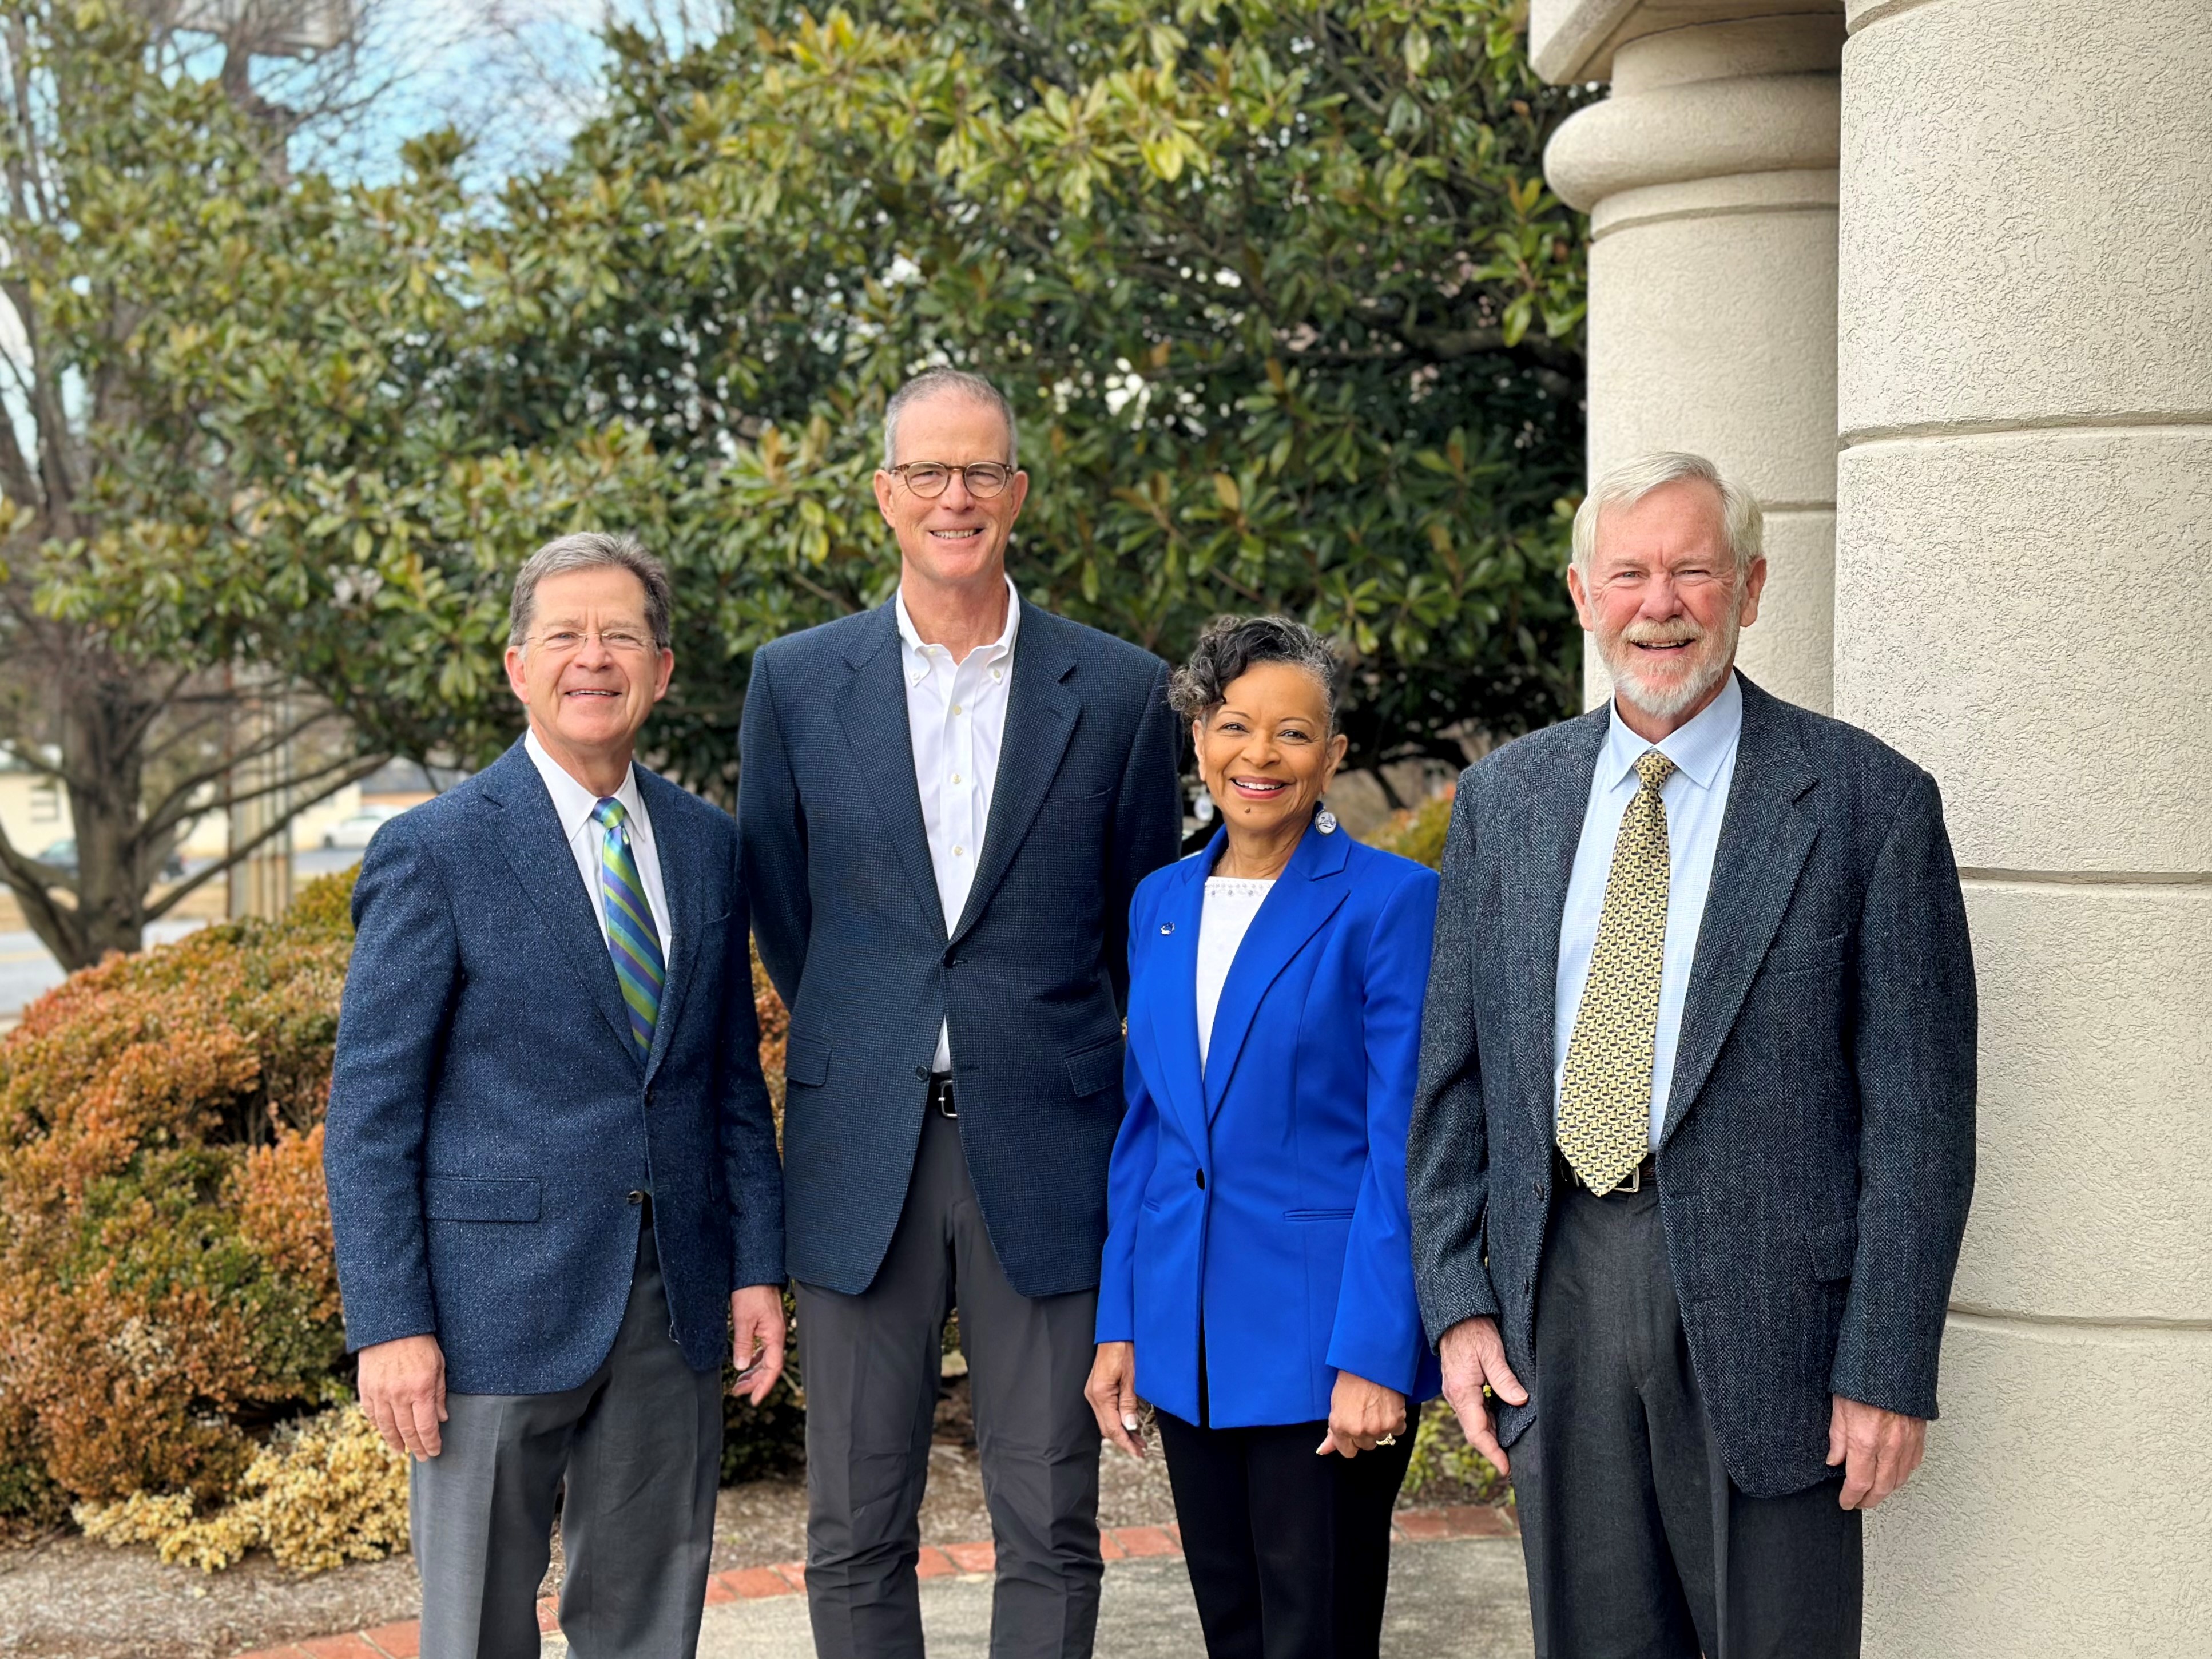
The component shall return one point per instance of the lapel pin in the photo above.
(1167, 927)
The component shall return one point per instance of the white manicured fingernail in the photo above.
(1130, 1424)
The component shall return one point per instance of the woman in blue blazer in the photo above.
(1258, 1279)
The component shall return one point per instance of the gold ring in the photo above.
(1386, 1439)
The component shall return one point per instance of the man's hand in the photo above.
(402, 1390)
(1473, 1355)
(1360, 1413)
(757, 1312)
(1112, 1392)
(1878, 1451)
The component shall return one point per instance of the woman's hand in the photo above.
(1360, 1413)
(1112, 1392)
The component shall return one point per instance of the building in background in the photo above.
(1935, 278)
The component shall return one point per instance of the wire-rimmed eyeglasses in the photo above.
(929, 479)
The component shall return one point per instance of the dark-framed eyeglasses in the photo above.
(929, 479)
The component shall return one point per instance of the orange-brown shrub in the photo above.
(167, 1295)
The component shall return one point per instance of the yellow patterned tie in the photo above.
(1605, 1102)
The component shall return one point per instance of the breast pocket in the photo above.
(1819, 955)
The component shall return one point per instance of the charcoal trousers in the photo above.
(1638, 1545)
(639, 1447)
(870, 1363)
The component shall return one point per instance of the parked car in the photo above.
(351, 832)
(62, 854)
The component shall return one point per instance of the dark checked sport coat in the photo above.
(1818, 1156)
(490, 1113)
(1032, 978)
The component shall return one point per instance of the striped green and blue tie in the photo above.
(631, 937)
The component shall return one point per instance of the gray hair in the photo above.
(956, 382)
(590, 549)
(1624, 485)
(1231, 646)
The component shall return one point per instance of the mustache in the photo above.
(1680, 630)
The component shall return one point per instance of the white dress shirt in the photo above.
(956, 714)
(1696, 799)
(1231, 902)
(573, 805)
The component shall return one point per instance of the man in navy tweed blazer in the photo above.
(946, 805)
(551, 1165)
(1693, 1141)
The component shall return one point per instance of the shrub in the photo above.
(168, 1301)
(1418, 833)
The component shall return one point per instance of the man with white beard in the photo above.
(1693, 1140)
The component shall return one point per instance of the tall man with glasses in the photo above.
(946, 805)
(551, 1163)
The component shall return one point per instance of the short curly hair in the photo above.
(1231, 646)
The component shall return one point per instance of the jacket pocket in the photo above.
(1832, 1248)
(1804, 958)
(806, 1061)
(1318, 1215)
(459, 1198)
(1096, 1069)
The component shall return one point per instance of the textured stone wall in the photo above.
(1710, 178)
(2024, 560)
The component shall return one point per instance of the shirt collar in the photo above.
(573, 804)
(1696, 748)
(1001, 648)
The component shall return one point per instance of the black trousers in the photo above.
(1638, 1545)
(1289, 1553)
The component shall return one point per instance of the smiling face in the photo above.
(589, 673)
(958, 539)
(1266, 754)
(1662, 599)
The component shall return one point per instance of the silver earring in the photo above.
(1325, 821)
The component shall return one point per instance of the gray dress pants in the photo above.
(870, 1366)
(640, 1444)
(1638, 1545)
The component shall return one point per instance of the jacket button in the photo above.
(636, 1196)
(921, 1074)
(1201, 1181)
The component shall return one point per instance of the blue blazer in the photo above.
(489, 1113)
(1030, 978)
(1264, 1199)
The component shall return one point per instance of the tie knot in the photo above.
(610, 813)
(1652, 768)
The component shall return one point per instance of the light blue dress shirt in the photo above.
(1696, 799)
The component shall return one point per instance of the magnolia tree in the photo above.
(1288, 315)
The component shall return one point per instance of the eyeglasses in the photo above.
(566, 641)
(929, 479)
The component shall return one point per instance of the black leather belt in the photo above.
(1645, 1173)
(940, 1095)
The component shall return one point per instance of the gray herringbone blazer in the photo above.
(1818, 1157)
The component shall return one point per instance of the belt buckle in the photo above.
(940, 1098)
(1635, 1181)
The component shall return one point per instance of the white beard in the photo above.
(1664, 698)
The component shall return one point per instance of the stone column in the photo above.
(2023, 574)
(1710, 177)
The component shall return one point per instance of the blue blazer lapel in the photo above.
(871, 708)
(680, 882)
(1171, 991)
(1765, 837)
(1534, 908)
(1041, 715)
(1306, 897)
(530, 839)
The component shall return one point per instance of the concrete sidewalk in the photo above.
(1462, 1596)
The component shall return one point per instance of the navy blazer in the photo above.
(1086, 803)
(1260, 1204)
(1818, 1155)
(490, 1113)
